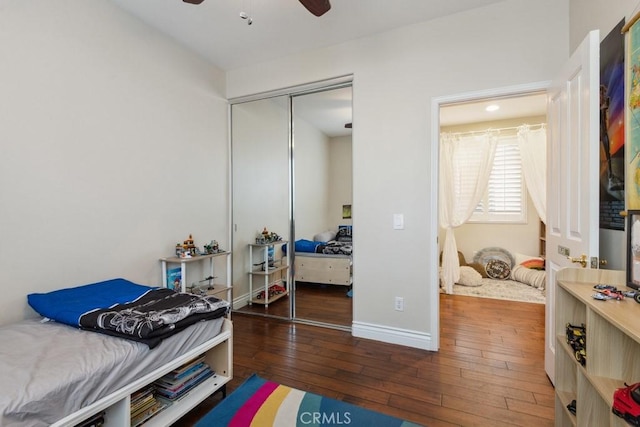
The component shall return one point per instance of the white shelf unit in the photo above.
(218, 355)
(612, 347)
(280, 268)
(223, 289)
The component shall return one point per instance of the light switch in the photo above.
(398, 221)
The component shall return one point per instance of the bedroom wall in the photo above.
(340, 180)
(113, 148)
(312, 179)
(396, 75)
(587, 15)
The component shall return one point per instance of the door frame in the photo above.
(436, 103)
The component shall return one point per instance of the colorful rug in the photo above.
(261, 403)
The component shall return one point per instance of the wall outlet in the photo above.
(399, 304)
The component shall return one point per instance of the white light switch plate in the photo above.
(398, 221)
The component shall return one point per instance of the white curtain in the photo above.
(533, 150)
(465, 166)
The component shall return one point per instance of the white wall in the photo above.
(312, 185)
(113, 148)
(340, 180)
(585, 16)
(396, 75)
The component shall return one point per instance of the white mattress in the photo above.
(49, 370)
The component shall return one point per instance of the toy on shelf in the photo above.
(577, 339)
(212, 247)
(626, 403)
(188, 249)
(266, 237)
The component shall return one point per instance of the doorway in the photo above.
(461, 100)
(291, 177)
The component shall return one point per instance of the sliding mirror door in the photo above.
(322, 204)
(261, 202)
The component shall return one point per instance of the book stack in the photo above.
(144, 405)
(95, 421)
(176, 383)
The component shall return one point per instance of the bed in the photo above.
(497, 273)
(62, 375)
(327, 259)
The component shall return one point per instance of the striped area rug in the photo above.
(261, 403)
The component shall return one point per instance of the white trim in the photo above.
(329, 83)
(392, 335)
(436, 103)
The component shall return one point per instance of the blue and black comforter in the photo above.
(124, 309)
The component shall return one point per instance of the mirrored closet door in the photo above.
(260, 157)
(292, 177)
(322, 204)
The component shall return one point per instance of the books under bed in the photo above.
(102, 351)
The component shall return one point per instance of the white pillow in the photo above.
(325, 236)
(469, 276)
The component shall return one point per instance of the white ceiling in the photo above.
(510, 108)
(215, 31)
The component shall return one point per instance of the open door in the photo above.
(572, 174)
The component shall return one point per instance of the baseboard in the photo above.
(391, 335)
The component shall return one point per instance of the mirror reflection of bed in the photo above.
(323, 277)
(295, 178)
(323, 197)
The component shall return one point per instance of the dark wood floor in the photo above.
(316, 302)
(488, 372)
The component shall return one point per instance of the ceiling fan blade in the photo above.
(193, 1)
(317, 7)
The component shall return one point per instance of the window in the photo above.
(505, 197)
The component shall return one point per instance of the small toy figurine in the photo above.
(212, 247)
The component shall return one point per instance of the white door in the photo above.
(572, 173)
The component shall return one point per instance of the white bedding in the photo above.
(50, 370)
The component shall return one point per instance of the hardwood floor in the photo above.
(489, 370)
(314, 301)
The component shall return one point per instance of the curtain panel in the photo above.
(465, 166)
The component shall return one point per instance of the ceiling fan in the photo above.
(316, 7)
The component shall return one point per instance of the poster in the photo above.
(632, 181)
(612, 165)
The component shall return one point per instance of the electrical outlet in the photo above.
(399, 304)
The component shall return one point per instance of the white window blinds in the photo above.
(504, 199)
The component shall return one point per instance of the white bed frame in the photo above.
(218, 354)
(322, 268)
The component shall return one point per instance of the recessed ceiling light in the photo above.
(492, 107)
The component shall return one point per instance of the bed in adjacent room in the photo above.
(497, 273)
(60, 374)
